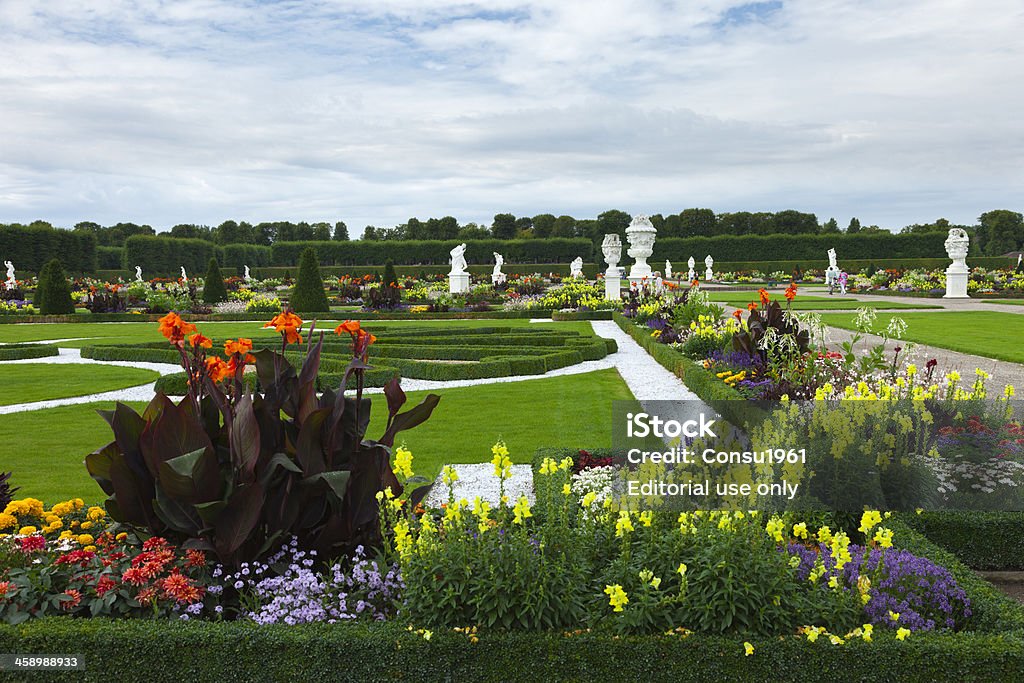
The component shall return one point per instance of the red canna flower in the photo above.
(737, 314)
(751, 306)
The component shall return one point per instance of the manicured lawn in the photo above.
(127, 333)
(810, 302)
(45, 448)
(27, 382)
(983, 333)
(1012, 302)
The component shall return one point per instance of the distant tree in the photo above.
(793, 222)
(504, 226)
(940, 225)
(447, 228)
(697, 223)
(543, 224)
(472, 231)
(322, 232)
(830, 226)
(214, 290)
(192, 231)
(611, 221)
(230, 232)
(303, 232)
(524, 227)
(854, 226)
(53, 294)
(1002, 231)
(340, 232)
(671, 227)
(414, 230)
(369, 233)
(565, 226)
(308, 295)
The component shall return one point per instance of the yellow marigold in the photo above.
(89, 548)
(27, 530)
(85, 539)
(121, 536)
(96, 513)
(8, 521)
(86, 526)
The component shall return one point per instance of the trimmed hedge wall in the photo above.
(240, 255)
(109, 258)
(427, 252)
(164, 256)
(29, 248)
(228, 652)
(982, 540)
(852, 265)
(812, 248)
(20, 351)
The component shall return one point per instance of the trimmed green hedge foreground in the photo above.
(20, 351)
(226, 652)
(982, 540)
(441, 354)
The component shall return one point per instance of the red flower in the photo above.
(32, 543)
(751, 306)
(179, 588)
(105, 585)
(195, 558)
(79, 557)
(146, 596)
(737, 314)
(74, 599)
(5, 588)
(134, 576)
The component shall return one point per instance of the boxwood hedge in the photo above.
(20, 351)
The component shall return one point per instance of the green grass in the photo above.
(983, 333)
(1012, 302)
(28, 382)
(571, 411)
(812, 303)
(92, 334)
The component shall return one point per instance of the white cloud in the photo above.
(204, 110)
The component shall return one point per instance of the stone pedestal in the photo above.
(458, 283)
(956, 285)
(613, 284)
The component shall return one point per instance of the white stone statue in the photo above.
(138, 273)
(184, 277)
(708, 263)
(612, 248)
(668, 269)
(576, 267)
(247, 277)
(691, 275)
(957, 273)
(458, 278)
(11, 283)
(498, 277)
(832, 273)
(640, 234)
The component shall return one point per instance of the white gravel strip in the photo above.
(644, 376)
(479, 480)
(47, 341)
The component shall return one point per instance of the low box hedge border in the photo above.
(177, 651)
(990, 541)
(23, 351)
(539, 314)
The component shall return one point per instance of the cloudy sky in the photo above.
(198, 111)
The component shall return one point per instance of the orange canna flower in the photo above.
(350, 326)
(790, 293)
(737, 314)
(174, 328)
(241, 346)
(751, 306)
(217, 369)
(198, 339)
(289, 325)
(765, 298)
(695, 283)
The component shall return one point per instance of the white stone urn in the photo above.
(640, 234)
(708, 273)
(612, 248)
(957, 273)
(691, 274)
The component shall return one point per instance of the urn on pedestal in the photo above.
(640, 234)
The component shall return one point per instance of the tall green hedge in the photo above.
(799, 247)
(29, 248)
(238, 256)
(109, 258)
(53, 294)
(309, 296)
(214, 290)
(164, 256)
(436, 252)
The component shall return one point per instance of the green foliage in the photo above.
(6, 490)
(238, 256)
(800, 247)
(427, 252)
(389, 277)
(30, 247)
(214, 290)
(309, 296)
(53, 293)
(234, 652)
(165, 256)
(240, 485)
(109, 258)
(20, 351)
(982, 540)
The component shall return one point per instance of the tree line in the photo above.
(996, 232)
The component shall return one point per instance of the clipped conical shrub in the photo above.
(214, 290)
(53, 294)
(390, 276)
(308, 295)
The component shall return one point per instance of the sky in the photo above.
(200, 111)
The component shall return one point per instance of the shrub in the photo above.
(308, 294)
(214, 290)
(6, 490)
(53, 294)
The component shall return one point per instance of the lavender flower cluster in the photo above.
(301, 593)
(924, 594)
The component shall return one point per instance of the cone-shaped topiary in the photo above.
(308, 295)
(6, 490)
(214, 290)
(53, 294)
(390, 277)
